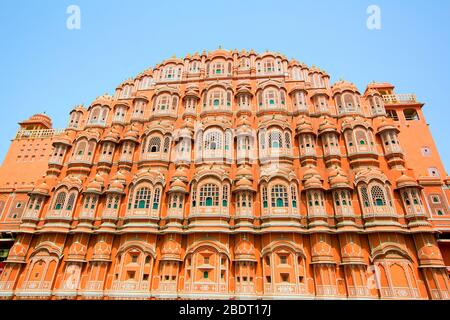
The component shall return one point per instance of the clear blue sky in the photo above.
(46, 67)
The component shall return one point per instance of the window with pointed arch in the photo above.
(279, 196)
(297, 74)
(190, 104)
(75, 119)
(278, 142)
(215, 144)
(107, 150)
(396, 276)
(64, 202)
(271, 97)
(244, 63)
(376, 197)
(41, 270)
(321, 103)
(89, 205)
(126, 92)
(119, 113)
(359, 140)
(316, 202)
(98, 115)
(171, 73)
(209, 195)
(60, 200)
(154, 144)
(412, 201)
(113, 201)
(268, 66)
(343, 202)
(142, 198)
(146, 83)
(299, 101)
(275, 139)
(134, 266)
(376, 106)
(218, 68)
(139, 108)
(84, 150)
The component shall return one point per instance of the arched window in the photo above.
(275, 139)
(166, 145)
(156, 198)
(225, 196)
(378, 196)
(209, 195)
(270, 97)
(279, 196)
(71, 201)
(95, 115)
(294, 196)
(287, 140)
(154, 144)
(264, 197)
(142, 198)
(112, 201)
(361, 137)
(213, 140)
(81, 147)
(174, 103)
(163, 102)
(60, 200)
(365, 197)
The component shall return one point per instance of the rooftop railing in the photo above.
(38, 134)
(400, 98)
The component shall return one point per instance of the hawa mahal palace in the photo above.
(228, 175)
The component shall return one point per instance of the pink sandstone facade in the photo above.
(230, 175)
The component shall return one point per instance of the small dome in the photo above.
(63, 139)
(120, 176)
(339, 181)
(244, 184)
(244, 171)
(131, 134)
(405, 181)
(112, 135)
(310, 172)
(116, 186)
(327, 126)
(180, 174)
(343, 85)
(387, 124)
(178, 186)
(304, 127)
(96, 185)
(38, 118)
(42, 189)
(313, 183)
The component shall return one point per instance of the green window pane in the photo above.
(279, 202)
